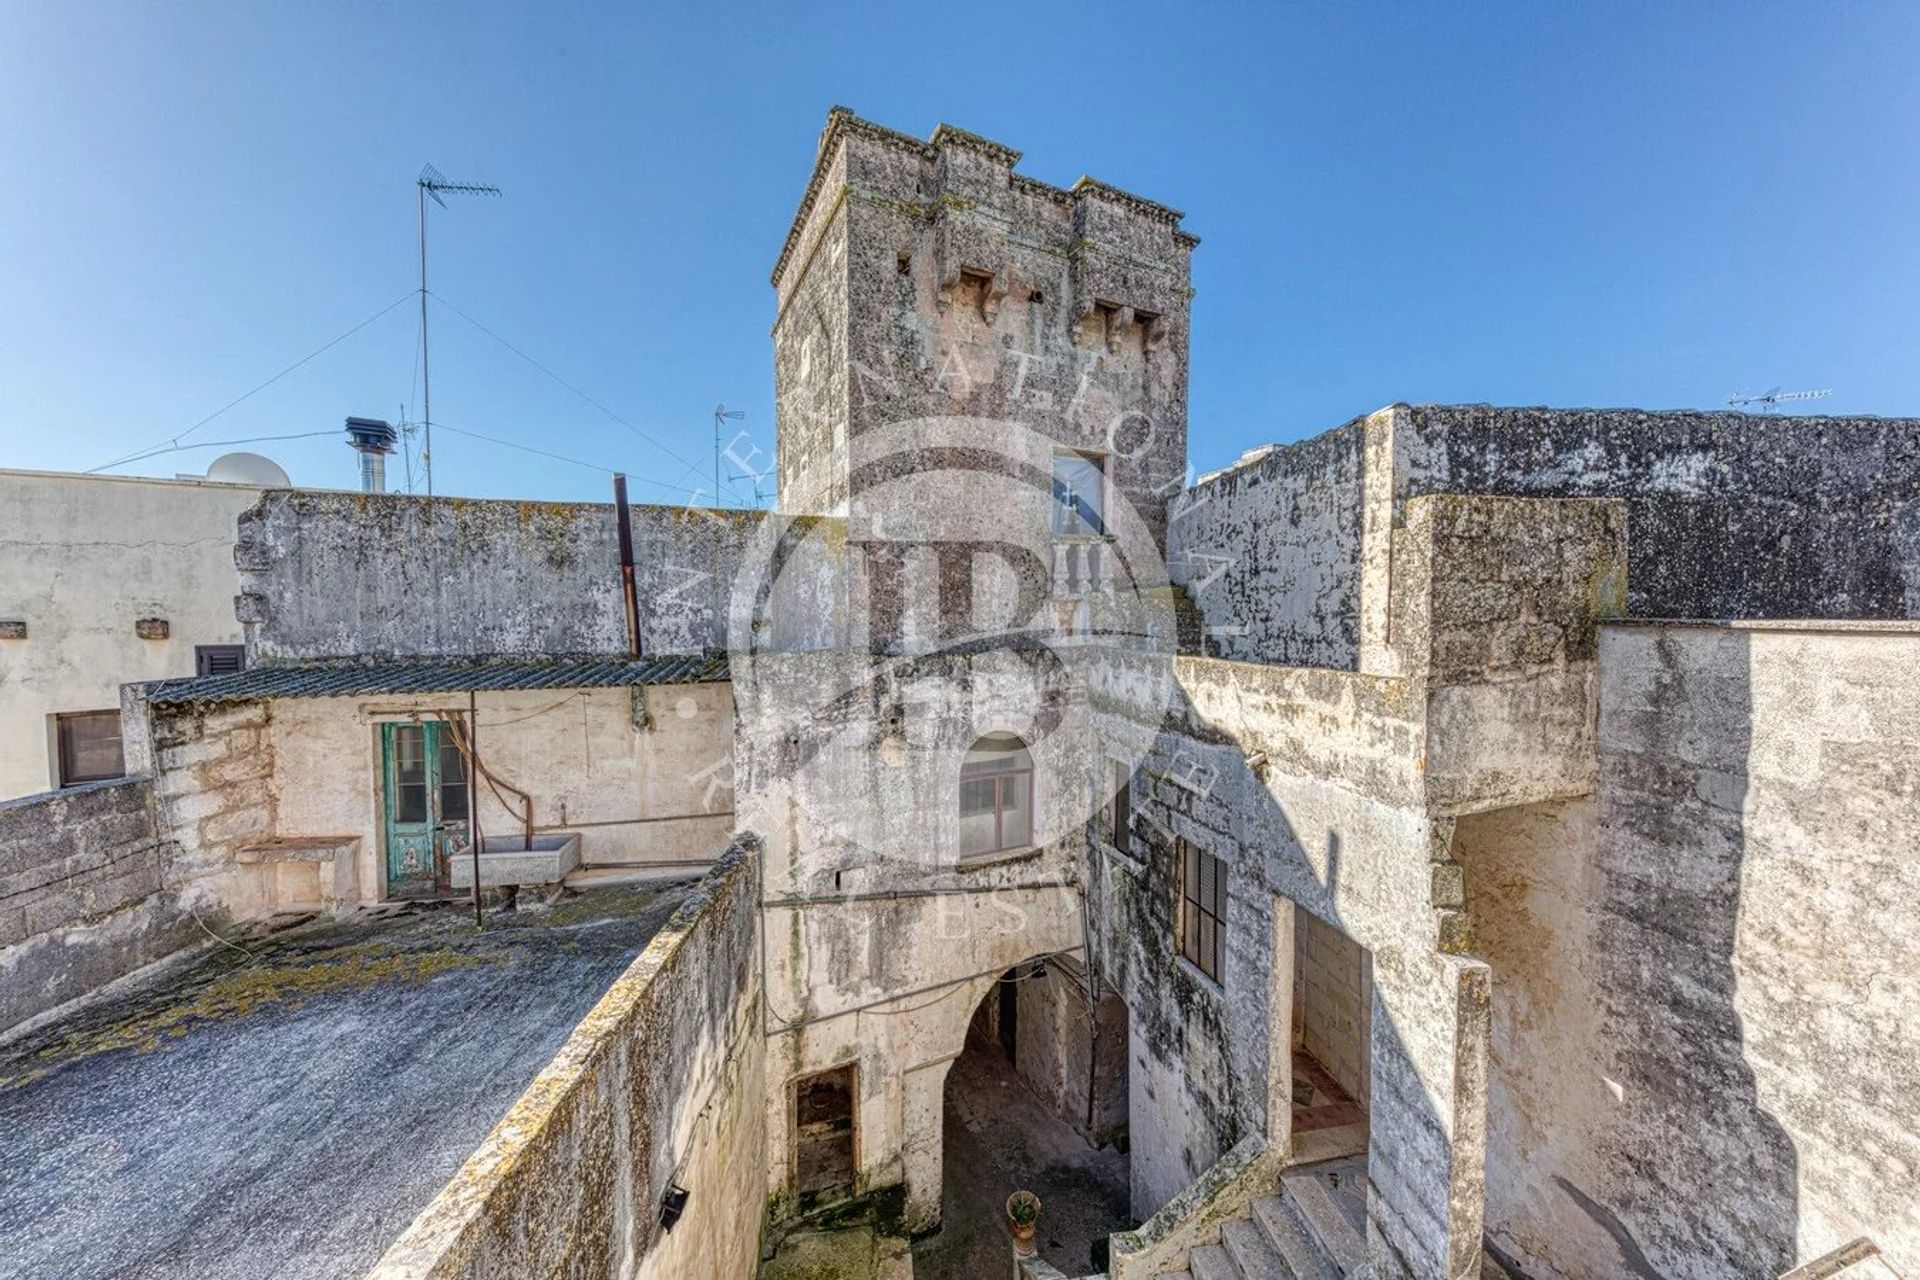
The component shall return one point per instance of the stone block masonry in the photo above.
(213, 788)
(83, 899)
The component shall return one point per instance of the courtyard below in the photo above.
(1000, 1137)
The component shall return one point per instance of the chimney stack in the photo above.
(374, 439)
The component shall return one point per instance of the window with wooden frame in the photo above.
(996, 796)
(1203, 908)
(88, 746)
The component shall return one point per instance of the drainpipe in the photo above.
(473, 799)
(626, 564)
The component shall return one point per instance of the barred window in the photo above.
(1203, 908)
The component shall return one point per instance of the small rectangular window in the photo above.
(89, 746)
(219, 659)
(1203, 908)
(1079, 493)
(1120, 823)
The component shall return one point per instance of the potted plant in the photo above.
(1023, 1211)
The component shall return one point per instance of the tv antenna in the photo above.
(436, 184)
(1768, 400)
(721, 417)
(760, 495)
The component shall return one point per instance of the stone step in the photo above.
(1312, 1198)
(1253, 1253)
(1211, 1262)
(1289, 1238)
(1859, 1260)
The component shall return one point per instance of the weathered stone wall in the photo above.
(1729, 516)
(84, 895)
(327, 575)
(1702, 978)
(1269, 549)
(1072, 1050)
(1334, 1002)
(1355, 852)
(661, 1084)
(885, 938)
(643, 775)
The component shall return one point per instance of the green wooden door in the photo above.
(424, 784)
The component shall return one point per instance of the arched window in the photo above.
(996, 796)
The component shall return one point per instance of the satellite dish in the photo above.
(249, 469)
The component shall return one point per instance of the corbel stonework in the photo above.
(1156, 336)
(993, 292)
(967, 244)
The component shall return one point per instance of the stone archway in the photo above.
(1036, 1100)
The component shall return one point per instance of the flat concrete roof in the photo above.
(290, 1112)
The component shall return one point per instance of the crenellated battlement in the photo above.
(927, 280)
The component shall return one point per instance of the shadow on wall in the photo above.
(1202, 1050)
(1627, 1135)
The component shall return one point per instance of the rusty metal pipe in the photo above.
(627, 588)
(473, 797)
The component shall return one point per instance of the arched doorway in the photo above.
(1037, 1100)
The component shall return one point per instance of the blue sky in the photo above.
(1600, 204)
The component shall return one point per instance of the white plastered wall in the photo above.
(82, 558)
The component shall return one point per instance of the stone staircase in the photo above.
(1315, 1229)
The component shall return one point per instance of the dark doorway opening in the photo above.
(825, 1146)
(1043, 1071)
(1332, 1030)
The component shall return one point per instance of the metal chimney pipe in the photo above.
(373, 438)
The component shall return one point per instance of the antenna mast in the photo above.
(1767, 400)
(433, 183)
(721, 416)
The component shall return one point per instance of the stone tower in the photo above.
(928, 280)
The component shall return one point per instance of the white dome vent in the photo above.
(250, 469)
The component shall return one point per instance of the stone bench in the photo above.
(304, 873)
